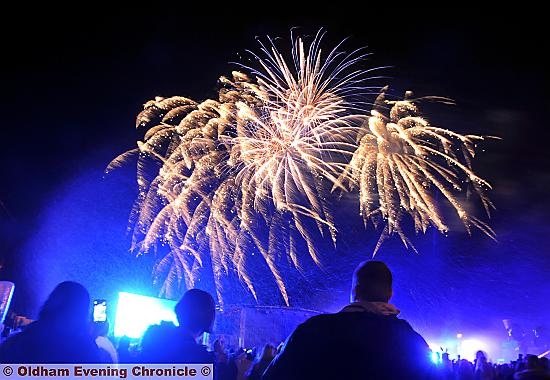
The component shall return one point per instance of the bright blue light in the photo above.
(134, 313)
(6, 293)
(436, 358)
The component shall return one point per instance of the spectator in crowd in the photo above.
(534, 370)
(166, 343)
(483, 370)
(465, 370)
(446, 371)
(60, 335)
(243, 362)
(364, 340)
(261, 362)
(123, 351)
(225, 365)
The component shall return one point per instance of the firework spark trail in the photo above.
(253, 170)
(399, 162)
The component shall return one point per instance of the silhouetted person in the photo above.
(446, 367)
(261, 362)
(483, 369)
(60, 335)
(465, 370)
(365, 340)
(123, 351)
(167, 343)
(534, 370)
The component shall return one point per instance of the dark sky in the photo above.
(74, 80)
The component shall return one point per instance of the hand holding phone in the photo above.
(100, 310)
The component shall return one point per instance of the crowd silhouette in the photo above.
(365, 340)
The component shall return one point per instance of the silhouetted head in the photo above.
(532, 362)
(372, 282)
(68, 303)
(481, 357)
(196, 311)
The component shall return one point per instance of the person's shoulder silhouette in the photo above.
(167, 343)
(60, 335)
(365, 339)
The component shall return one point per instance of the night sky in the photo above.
(73, 82)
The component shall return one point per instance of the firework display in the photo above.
(257, 170)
